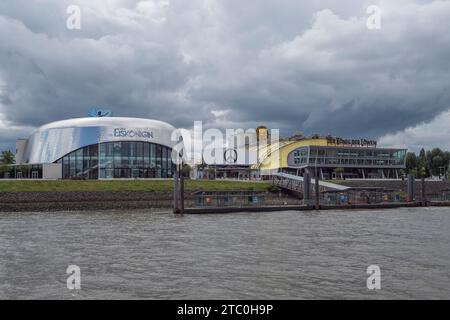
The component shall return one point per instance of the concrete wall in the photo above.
(52, 171)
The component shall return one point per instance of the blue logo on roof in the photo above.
(99, 113)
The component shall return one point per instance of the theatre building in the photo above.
(118, 148)
(331, 158)
(96, 148)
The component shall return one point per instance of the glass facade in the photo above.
(301, 156)
(25, 171)
(355, 162)
(121, 159)
(347, 157)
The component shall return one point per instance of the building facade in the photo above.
(335, 158)
(126, 148)
(101, 148)
(353, 162)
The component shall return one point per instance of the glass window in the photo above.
(72, 164)
(158, 156)
(153, 156)
(118, 160)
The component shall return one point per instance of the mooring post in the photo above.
(410, 185)
(424, 199)
(306, 187)
(317, 189)
(176, 208)
(181, 192)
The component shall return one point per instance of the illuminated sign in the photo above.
(351, 142)
(133, 133)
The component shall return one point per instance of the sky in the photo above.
(310, 66)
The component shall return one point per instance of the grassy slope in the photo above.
(126, 185)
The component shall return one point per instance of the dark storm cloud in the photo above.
(288, 64)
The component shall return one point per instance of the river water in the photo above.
(278, 255)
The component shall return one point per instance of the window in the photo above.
(118, 160)
(300, 156)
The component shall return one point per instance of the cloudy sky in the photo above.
(312, 66)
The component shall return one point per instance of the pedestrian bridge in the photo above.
(295, 183)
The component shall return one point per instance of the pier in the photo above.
(318, 195)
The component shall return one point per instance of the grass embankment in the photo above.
(125, 185)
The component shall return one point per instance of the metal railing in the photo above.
(362, 197)
(221, 199)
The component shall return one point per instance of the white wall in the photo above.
(21, 145)
(52, 171)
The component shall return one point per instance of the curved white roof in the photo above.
(52, 141)
(107, 122)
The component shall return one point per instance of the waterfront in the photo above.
(276, 255)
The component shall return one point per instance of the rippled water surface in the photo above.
(294, 255)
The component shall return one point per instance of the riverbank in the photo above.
(80, 195)
(76, 201)
(72, 195)
(152, 186)
(154, 195)
(162, 201)
(102, 200)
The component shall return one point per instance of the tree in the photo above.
(4, 169)
(423, 172)
(186, 170)
(422, 154)
(446, 162)
(447, 158)
(436, 165)
(411, 161)
(429, 159)
(428, 162)
(423, 163)
(7, 157)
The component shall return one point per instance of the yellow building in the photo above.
(331, 157)
(327, 157)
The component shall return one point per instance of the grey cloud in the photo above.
(426, 135)
(294, 65)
